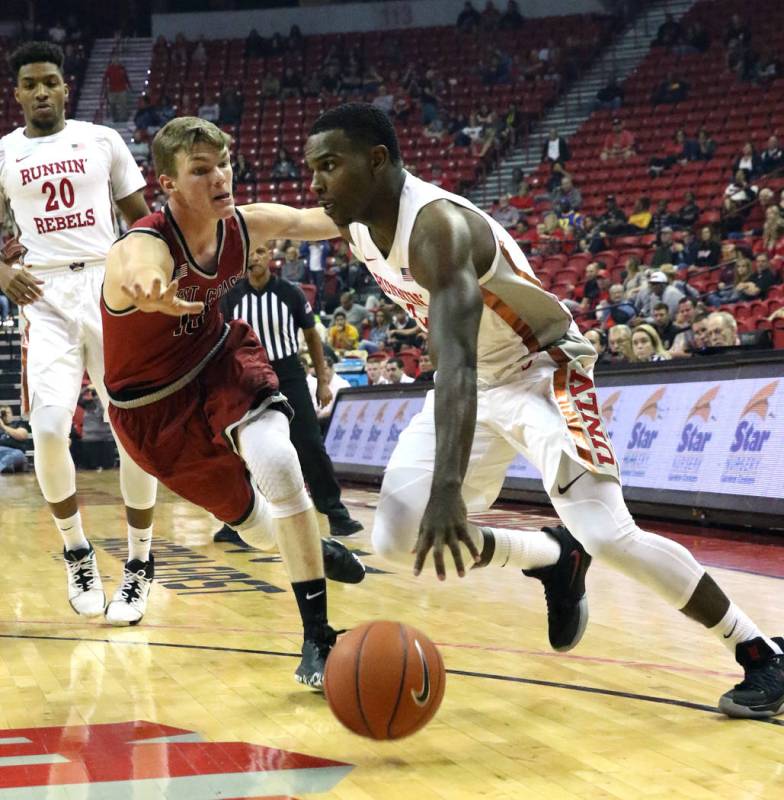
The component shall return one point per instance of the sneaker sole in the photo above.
(583, 606)
(732, 709)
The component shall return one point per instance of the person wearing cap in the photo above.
(619, 143)
(667, 252)
(659, 291)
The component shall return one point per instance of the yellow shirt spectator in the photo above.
(341, 335)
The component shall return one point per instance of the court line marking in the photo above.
(573, 687)
(617, 662)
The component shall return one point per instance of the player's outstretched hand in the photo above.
(19, 285)
(164, 301)
(444, 526)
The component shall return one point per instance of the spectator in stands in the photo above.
(403, 331)
(375, 372)
(504, 213)
(290, 84)
(255, 46)
(427, 371)
(555, 153)
(708, 249)
(748, 161)
(384, 100)
(522, 199)
(293, 268)
(739, 190)
(670, 91)
(767, 68)
(659, 289)
(647, 345)
(610, 96)
(731, 218)
(641, 216)
(634, 279)
(664, 325)
(468, 19)
(596, 338)
(772, 241)
(667, 252)
(619, 144)
(491, 17)
(615, 309)
(525, 235)
(210, 108)
(270, 86)
(590, 239)
(693, 340)
(199, 55)
(689, 249)
(394, 371)
(619, 341)
(772, 158)
(669, 34)
(613, 221)
(759, 281)
(14, 441)
(737, 31)
(438, 178)
(117, 86)
(689, 212)
(566, 197)
(592, 292)
(706, 146)
(356, 314)
(378, 334)
(166, 110)
(722, 330)
(231, 104)
(512, 19)
(140, 149)
(146, 117)
(341, 336)
(242, 171)
(284, 168)
(675, 152)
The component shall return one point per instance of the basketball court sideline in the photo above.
(200, 701)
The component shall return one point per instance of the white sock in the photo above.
(735, 627)
(71, 530)
(523, 549)
(139, 542)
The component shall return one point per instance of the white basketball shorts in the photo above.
(62, 338)
(550, 415)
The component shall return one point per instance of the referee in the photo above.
(276, 310)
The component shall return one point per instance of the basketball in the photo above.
(384, 680)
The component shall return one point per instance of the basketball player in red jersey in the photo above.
(195, 401)
(514, 375)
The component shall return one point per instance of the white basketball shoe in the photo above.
(130, 600)
(85, 588)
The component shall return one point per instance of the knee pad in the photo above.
(54, 467)
(270, 456)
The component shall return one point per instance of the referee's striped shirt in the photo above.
(276, 314)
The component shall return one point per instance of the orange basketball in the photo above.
(384, 680)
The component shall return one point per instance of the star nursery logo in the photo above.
(644, 435)
(751, 437)
(694, 437)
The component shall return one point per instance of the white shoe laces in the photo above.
(134, 588)
(82, 573)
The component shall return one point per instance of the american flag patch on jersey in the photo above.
(180, 272)
(78, 145)
(405, 274)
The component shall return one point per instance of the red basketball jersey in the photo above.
(143, 350)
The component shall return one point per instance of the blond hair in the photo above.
(183, 133)
(654, 338)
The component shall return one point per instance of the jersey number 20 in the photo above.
(66, 193)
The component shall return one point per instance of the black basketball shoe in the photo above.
(340, 563)
(564, 590)
(315, 650)
(229, 535)
(344, 526)
(761, 692)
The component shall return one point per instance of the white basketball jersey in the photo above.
(519, 317)
(60, 189)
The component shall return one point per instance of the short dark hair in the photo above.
(396, 360)
(660, 306)
(36, 53)
(363, 124)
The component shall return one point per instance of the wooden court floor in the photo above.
(199, 701)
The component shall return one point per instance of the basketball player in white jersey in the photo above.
(60, 177)
(514, 375)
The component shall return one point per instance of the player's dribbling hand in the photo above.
(19, 285)
(444, 525)
(163, 301)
